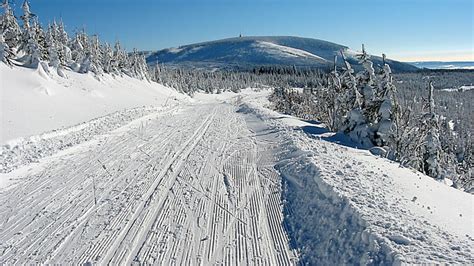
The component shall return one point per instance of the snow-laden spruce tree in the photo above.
(62, 42)
(55, 50)
(29, 45)
(120, 59)
(40, 38)
(51, 45)
(32, 51)
(138, 65)
(9, 27)
(27, 16)
(334, 99)
(92, 61)
(96, 53)
(107, 59)
(385, 127)
(366, 78)
(77, 51)
(432, 146)
(359, 120)
(6, 53)
(351, 98)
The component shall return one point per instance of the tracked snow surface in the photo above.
(221, 180)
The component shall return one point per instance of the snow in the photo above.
(174, 50)
(191, 186)
(422, 220)
(460, 89)
(220, 179)
(444, 65)
(33, 101)
(255, 51)
(285, 51)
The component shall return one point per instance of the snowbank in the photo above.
(341, 201)
(34, 101)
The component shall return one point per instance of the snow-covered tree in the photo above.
(9, 26)
(51, 45)
(107, 59)
(26, 31)
(138, 65)
(40, 38)
(62, 41)
(358, 100)
(352, 99)
(432, 145)
(385, 127)
(6, 54)
(77, 51)
(120, 59)
(92, 61)
(27, 15)
(29, 42)
(366, 78)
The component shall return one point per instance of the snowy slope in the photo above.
(33, 101)
(370, 207)
(444, 65)
(279, 51)
(246, 52)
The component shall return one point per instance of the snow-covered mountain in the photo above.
(245, 52)
(444, 65)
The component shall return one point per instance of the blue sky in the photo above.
(404, 29)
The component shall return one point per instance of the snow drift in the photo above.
(346, 206)
(34, 101)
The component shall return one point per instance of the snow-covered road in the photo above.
(191, 186)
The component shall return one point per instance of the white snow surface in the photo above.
(285, 51)
(460, 89)
(220, 179)
(33, 101)
(419, 219)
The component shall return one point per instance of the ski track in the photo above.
(190, 187)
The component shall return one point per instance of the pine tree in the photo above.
(121, 61)
(432, 146)
(356, 123)
(62, 41)
(77, 51)
(91, 61)
(40, 39)
(52, 47)
(107, 58)
(9, 27)
(29, 42)
(385, 103)
(6, 54)
(366, 78)
(138, 65)
(352, 99)
(26, 28)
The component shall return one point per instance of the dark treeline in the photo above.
(190, 81)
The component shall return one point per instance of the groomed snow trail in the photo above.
(192, 186)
